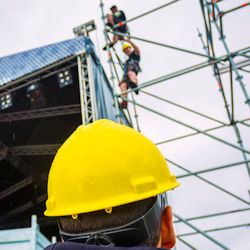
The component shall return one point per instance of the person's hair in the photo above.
(113, 7)
(120, 216)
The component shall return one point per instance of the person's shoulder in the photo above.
(73, 246)
(68, 246)
(133, 54)
(79, 246)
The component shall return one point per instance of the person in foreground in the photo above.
(107, 187)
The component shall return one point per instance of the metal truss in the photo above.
(41, 113)
(45, 149)
(231, 62)
(21, 184)
(36, 76)
(87, 88)
(23, 208)
(14, 188)
(9, 155)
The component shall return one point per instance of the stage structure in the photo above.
(45, 93)
(191, 230)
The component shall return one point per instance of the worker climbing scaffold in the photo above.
(131, 69)
(131, 66)
(117, 17)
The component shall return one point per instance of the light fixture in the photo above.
(6, 101)
(36, 96)
(64, 78)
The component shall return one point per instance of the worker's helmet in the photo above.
(103, 165)
(125, 45)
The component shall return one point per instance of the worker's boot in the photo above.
(106, 46)
(124, 104)
(132, 86)
(110, 25)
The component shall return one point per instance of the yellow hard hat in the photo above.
(125, 45)
(103, 165)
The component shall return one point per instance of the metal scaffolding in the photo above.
(213, 17)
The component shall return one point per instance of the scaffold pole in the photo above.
(110, 64)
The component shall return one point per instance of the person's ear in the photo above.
(167, 230)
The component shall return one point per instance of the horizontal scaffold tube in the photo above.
(216, 229)
(163, 45)
(189, 126)
(208, 182)
(215, 214)
(213, 169)
(198, 231)
(144, 14)
(182, 72)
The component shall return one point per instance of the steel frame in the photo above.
(46, 149)
(24, 207)
(41, 113)
(87, 108)
(214, 17)
(87, 88)
(31, 78)
(17, 162)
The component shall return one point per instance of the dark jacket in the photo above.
(79, 246)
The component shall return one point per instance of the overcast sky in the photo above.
(26, 24)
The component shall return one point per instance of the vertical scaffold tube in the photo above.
(136, 115)
(238, 76)
(230, 115)
(110, 64)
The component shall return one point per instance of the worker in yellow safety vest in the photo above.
(107, 187)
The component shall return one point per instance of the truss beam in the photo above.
(22, 184)
(45, 149)
(29, 79)
(16, 187)
(7, 154)
(23, 208)
(87, 88)
(41, 113)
